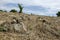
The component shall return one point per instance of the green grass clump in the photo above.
(2, 29)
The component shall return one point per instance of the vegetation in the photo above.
(2, 29)
(1, 10)
(13, 10)
(58, 14)
(5, 11)
(20, 7)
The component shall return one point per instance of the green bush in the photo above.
(1, 10)
(5, 11)
(13, 10)
(58, 14)
(20, 7)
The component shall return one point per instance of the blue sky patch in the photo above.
(11, 5)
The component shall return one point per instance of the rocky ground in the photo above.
(15, 26)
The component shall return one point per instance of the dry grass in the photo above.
(37, 27)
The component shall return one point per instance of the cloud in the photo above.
(44, 7)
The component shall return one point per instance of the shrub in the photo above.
(58, 14)
(5, 11)
(1, 10)
(13, 10)
(20, 7)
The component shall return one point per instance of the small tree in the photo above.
(20, 7)
(13, 10)
(58, 14)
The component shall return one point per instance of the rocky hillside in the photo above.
(15, 26)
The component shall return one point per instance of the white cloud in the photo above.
(52, 5)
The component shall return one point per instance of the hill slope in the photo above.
(15, 26)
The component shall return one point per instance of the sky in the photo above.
(39, 7)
